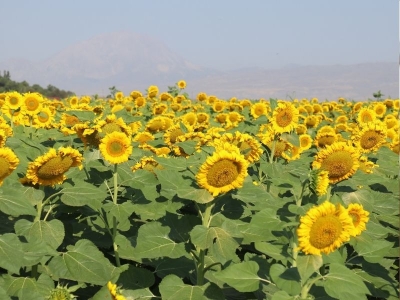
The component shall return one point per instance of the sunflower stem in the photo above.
(115, 223)
(271, 158)
(206, 220)
(307, 286)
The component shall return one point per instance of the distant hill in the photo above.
(131, 61)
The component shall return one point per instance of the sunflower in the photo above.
(152, 91)
(140, 102)
(115, 294)
(147, 163)
(380, 109)
(155, 124)
(319, 182)
(324, 139)
(258, 109)
(44, 119)
(339, 159)
(248, 146)
(221, 118)
(189, 119)
(301, 129)
(218, 106)
(285, 117)
(235, 117)
(8, 163)
(324, 228)
(312, 121)
(366, 115)
(305, 141)
(135, 94)
(181, 84)
(359, 216)
(32, 103)
(222, 172)
(13, 100)
(116, 147)
(50, 168)
(370, 137)
(394, 145)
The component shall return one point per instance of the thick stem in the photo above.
(271, 158)
(115, 223)
(206, 220)
(306, 287)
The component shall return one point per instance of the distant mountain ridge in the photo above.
(132, 61)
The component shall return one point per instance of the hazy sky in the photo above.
(220, 34)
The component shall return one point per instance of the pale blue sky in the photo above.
(218, 34)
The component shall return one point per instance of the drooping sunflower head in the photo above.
(339, 159)
(143, 137)
(147, 163)
(8, 163)
(155, 124)
(324, 139)
(248, 146)
(319, 181)
(312, 121)
(116, 147)
(370, 137)
(359, 217)
(285, 117)
(152, 91)
(324, 228)
(219, 106)
(222, 172)
(50, 168)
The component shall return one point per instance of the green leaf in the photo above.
(34, 196)
(287, 280)
(363, 197)
(50, 232)
(11, 254)
(338, 281)
(282, 295)
(372, 250)
(23, 288)
(308, 265)
(81, 194)
(13, 202)
(171, 182)
(83, 262)
(153, 241)
(172, 163)
(172, 287)
(272, 250)
(220, 242)
(83, 115)
(136, 278)
(242, 276)
(199, 195)
(261, 226)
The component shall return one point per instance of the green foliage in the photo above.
(9, 85)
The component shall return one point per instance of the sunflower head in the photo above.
(8, 163)
(324, 228)
(222, 172)
(116, 147)
(319, 181)
(339, 159)
(359, 217)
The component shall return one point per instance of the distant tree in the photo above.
(9, 85)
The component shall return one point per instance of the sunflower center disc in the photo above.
(338, 164)
(369, 139)
(4, 167)
(55, 167)
(283, 118)
(325, 231)
(115, 149)
(222, 173)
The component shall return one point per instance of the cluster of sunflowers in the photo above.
(234, 134)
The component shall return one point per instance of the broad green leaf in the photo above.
(22, 287)
(218, 240)
(13, 202)
(181, 266)
(363, 197)
(82, 194)
(34, 195)
(282, 295)
(173, 288)
(286, 279)
(171, 182)
(83, 115)
(187, 146)
(261, 226)
(11, 254)
(338, 281)
(153, 241)
(136, 278)
(172, 163)
(83, 262)
(50, 232)
(372, 250)
(35, 250)
(271, 249)
(308, 265)
(198, 195)
(242, 276)
(251, 193)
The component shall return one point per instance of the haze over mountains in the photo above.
(131, 61)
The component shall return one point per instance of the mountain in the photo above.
(132, 61)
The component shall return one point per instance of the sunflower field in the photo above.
(158, 196)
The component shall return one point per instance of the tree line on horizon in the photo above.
(9, 85)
